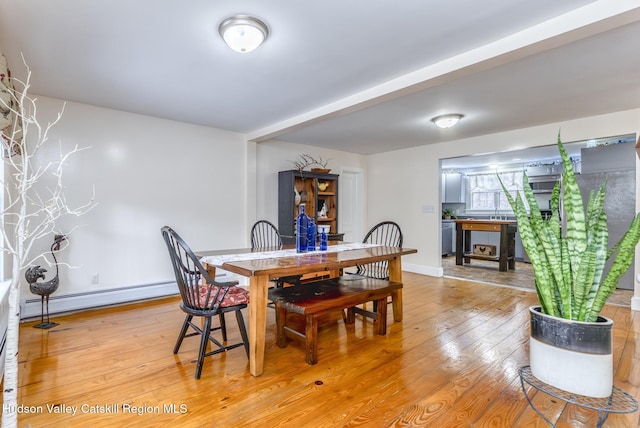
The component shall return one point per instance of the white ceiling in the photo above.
(363, 76)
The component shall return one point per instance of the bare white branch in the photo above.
(31, 209)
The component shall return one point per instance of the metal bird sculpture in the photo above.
(46, 288)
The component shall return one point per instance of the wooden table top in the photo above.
(316, 261)
(477, 221)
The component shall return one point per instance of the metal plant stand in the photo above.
(618, 402)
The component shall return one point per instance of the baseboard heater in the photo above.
(31, 307)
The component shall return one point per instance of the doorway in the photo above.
(548, 155)
(351, 200)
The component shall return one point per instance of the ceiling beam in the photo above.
(595, 18)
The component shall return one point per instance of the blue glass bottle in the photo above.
(311, 235)
(302, 221)
(324, 239)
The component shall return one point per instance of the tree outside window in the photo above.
(485, 191)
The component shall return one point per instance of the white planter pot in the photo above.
(571, 355)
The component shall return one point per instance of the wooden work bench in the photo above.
(507, 229)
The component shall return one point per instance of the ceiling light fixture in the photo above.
(243, 33)
(446, 120)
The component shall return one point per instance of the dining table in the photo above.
(260, 266)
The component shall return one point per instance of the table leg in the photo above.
(512, 250)
(395, 274)
(467, 245)
(257, 322)
(459, 244)
(504, 248)
(211, 270)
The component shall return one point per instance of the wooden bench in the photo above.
(319, 298)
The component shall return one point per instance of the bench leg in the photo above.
(311, 339)
(351, 316)
(381, 318)
(281, 319)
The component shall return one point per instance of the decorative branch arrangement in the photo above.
(10, 125)
(304, 160)
(30, 210)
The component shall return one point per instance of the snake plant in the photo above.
(569, 265)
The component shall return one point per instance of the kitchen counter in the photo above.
(506, 228)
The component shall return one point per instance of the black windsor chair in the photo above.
(265, 236)
(386, 233)
(203, 297)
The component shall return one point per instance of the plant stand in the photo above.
(618, 402)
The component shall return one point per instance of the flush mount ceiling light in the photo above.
(243, 33)
(446, 120)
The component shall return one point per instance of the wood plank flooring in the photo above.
(521, 277)
(452, 362)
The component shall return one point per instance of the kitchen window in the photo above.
(486, 194)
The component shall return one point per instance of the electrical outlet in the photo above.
(95, 278)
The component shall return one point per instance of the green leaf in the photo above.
(574, 212)
(531, 242)
(621, 264)
(569, 268)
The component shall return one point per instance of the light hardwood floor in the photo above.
(521, 277)
(452, 362)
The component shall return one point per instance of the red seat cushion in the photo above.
(235, 296)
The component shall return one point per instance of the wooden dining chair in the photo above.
(203, 297)
(265, 236)
(386, 233)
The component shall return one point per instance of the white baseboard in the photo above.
(31, 308)
(422, 269)
(635, 303)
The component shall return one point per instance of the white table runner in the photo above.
(220, 260)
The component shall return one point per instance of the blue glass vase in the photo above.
(311, 235)
(302, 223)
(324, 239)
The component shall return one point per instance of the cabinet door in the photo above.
(454, 188)
(326, 212)
(315, 190)
(447, 238)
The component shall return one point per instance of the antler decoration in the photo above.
(304, 160)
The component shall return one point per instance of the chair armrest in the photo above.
(225, 284)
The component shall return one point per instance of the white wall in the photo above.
(402, 183)
(210, 185)
(147, 173)
(275, 156)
